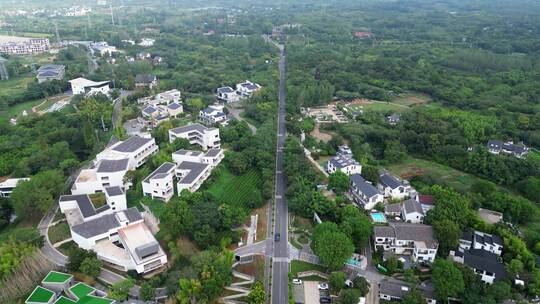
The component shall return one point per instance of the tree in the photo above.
(331, 245)
(189, 291)
(370, 173)
(91, 266)
(447, 233)
(349, 296)
(358, 227)
(257, 295)
(362, 285)
(338, 181)
(337, 281)
(119, 291)
(447, 279)
(515, 267)
(76, 256)
(33, 197)
(147, 291)
(392, 264)
(413, 297)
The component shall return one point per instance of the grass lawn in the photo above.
(299, 266)
(59, 232)
(262, 222)
(411, 166)
(15, 85)
(67, 247)
(377, 106)
(233, 189)
(411, 99)
(16, 110)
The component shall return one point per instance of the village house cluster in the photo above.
(243, 90)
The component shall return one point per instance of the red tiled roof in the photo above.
(426, 199)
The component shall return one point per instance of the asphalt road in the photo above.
(280, 261)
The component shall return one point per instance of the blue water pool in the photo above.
(378, 217)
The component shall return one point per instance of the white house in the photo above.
(364, 193)
(103, 48)
(7, 186)
(344, 163)
(497, 147)
(247, 89)
(227, 94)
(194, 167)
(213, 115)
(146, 42)
(137, 149)
(159, 184)
(196, 133)
(393, 188)
(156, 114)
(118, 235)
(418, 240)
(146, 81)
(391, 289)
(50, 72)
(412, 212)
(481, 240)
(88, 87)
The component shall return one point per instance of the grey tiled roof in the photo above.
(83, 202)
(188, 152)
(145, 78)
(174, 106)
(390, 181)
(363, 186)
(195, 170)
(392, 208)
(411, 206)
(343, 160)
(225, 90)
(112, 165)
(132, 144)
(114, 191)
(161, 170)
(191, 127)
(97, 226)
(484, 260)
(408, 232)
(147, 249)
(133, 214)
(212, 152)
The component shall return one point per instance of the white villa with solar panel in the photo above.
(61, 288)
(207, 138)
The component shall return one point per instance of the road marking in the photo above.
(281, 260)
(279, 197)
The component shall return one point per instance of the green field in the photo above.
(411, 99)
(59, 232)
(16, 110)
(299, 266)
(411, 166)
(234, 189)
(15, 85)
(378, 107)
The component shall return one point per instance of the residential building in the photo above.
(111, 165)
(417, 240)
(144, 55)
(481, 240)
(364, 193)
(157, 60)
(117, 235)
(103, 48)
(344, 163)
(50, 72)
(145, 81)
(247, 89)
(391, 289)
(213, 115)
(427, 201)
(77, 11)
(57, 281)
(7, 186)
(206, 137)
(88, 87)
(136, 149)
(159, 184)
(344, 150)
(484, 263)
(22, 45)
(394, 119)
(412, 212)
(227, 94)
(167, 97)
(394, 188)
(194, 167)
(160, 113)
(393, 209)
(497, 147)
(146, 42)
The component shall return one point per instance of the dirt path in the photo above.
(320, 135)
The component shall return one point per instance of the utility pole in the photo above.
(112, 13)
(56, 31)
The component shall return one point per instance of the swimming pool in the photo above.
(378, 217)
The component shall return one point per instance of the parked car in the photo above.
(325, 300)
(323, 286)
(277, 237)
(296, 281)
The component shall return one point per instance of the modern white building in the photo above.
(103, 48)
(23, 45)
(88, 87)
(227, 94)
(364, 193)
(394, 188)
(159, 184)
(7, 186)
(213, 115)
(509, 148)
(194, 167)
(416, 240)
(146, 42)
(484, 263)
(207, 138)
(167, 97)
(247, 88)
(112, 164)
(118, 235)
(137, 149)
(344, 163)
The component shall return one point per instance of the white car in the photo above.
(323, 286)
(297, 281)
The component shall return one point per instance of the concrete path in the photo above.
(235, 112)
(58, 244)
(315, 163)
